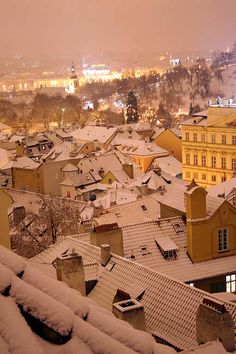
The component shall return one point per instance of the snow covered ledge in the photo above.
(132, 312)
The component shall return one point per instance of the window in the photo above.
(203, 176)
(230, 283)
(187, 157)
(187, 174)
(213, 138)
(195, 160)
(234, 140)
(68, 194)
(223, 139)
(143, 207)
(187, 136)
(223, 163)
(234, 164)
(195, 175)
(37, 189)
(222, 240)
(195, 137)
(213, 161)
(223, 179)
(213, 178)
(203, 137)
(204, 160)
(191, 284)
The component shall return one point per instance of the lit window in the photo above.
(223, 139)
(213, 178)
(223, 163)
(187, 136)
(234, 139)
(203, 176)
(195, 160)
(187, 157)
(213, 161)
(213, 138)
(203, 137)
(231, 283)
(195, 137)
(222, 240)
(204, 160)
(234, 164)
(191, 284)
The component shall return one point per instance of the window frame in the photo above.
(222, 240)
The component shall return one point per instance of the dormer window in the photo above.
(222, 240)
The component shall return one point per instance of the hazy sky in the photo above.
(60, 27)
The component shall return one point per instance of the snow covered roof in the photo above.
(170, 306)
(215, 347)
(168, 164)
(223, 190)
(70, 168)
(69, 323)
(170, 234)
(93, 132)
(138, 147)
(137, 211)
(21, 162)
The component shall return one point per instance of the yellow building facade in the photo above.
(209, 235)
(171, 142)
(209, 146)
(5, 203)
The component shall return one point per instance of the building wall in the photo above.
(216, 124)
(202, 232)
(68, 191)
(53, 175)
(28, 179)
(168, 212)
(169, 141)
(143, 161)
(5, 203)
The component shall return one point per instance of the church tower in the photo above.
(73, 82)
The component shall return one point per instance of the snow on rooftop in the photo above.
(88, 328)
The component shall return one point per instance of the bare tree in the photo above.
(55, 218)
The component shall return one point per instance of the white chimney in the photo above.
(131, 311)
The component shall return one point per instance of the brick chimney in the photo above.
(214, 321)
(105, 254)
(131, 311)
(109, 234)
(70, 270)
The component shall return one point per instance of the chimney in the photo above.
(214, 321)
(109, 234)
(128, 169)
(105, 254)
(70, 270)
(131, 311)
(195, 201)
(144, 190)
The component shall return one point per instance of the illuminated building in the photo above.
(209, 145)
(73, 84)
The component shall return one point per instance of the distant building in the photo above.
(209, 145)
